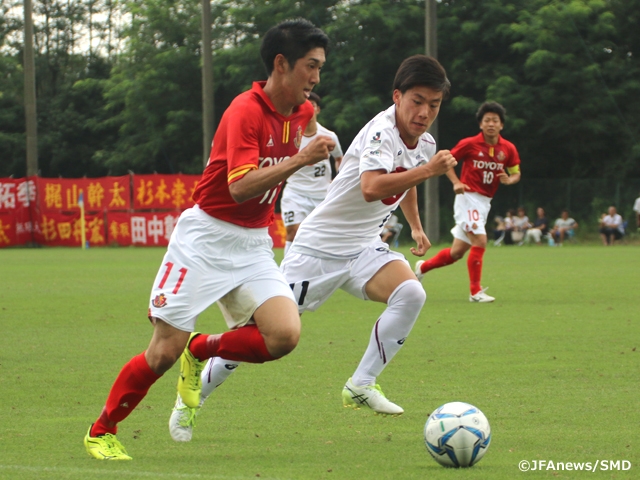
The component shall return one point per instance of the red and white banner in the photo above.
(129, 210)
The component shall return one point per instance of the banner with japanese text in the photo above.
(163, 192)
(100, 194)
(128, 210)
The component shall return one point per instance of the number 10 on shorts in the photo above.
(473, 215)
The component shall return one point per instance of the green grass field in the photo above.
(553, 363)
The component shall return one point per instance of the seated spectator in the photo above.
(539, 229)
(611, 227)
(520, 225)
(498, 230)
(508, 227)
(391, 230)
(564, 227)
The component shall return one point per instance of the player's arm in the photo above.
(337, 161)
(409, 206)
(459, 152)
(257, 181)
(512, 177)
(380, 184)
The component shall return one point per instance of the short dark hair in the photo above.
(421, 70)
(293, 39)
(491, 107)
(314, 97)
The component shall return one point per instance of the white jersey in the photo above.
(636, 206)
(344, 223)
(313, 181)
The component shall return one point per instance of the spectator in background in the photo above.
(498, 230)
(508, 227)
(520, 225)
(540, 227)
(611, 228)
(564, 227)
(636, 209)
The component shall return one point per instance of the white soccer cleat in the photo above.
(182, 421)
(417, 270)
(481, 297)
(370, 396)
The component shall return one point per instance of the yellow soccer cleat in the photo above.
(105, 447)
(189, 382)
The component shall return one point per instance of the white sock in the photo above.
(215, 373)
(390, 331)
(286, 247)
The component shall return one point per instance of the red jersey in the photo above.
(482, 162)
(251, 135)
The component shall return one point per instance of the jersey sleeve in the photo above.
(378, 151)
(337, 151)
(459, 152)
(243, 150)
(514, 158)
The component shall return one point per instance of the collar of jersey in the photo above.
(258, 89)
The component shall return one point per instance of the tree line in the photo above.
(119, 82)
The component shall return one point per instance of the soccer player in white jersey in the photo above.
(306, 188)
(338, 245)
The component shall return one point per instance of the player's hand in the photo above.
(318, 149)
(459, 188)
(504, 178)
(442, 162)
(422, 243)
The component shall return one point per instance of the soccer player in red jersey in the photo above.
(222, 246)
(487, 161)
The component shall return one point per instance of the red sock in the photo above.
(131, 386)
(242, 345)
(474, 265)
(441, 259)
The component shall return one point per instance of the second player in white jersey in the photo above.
(306, 188)
(313, 180)
(345, 223)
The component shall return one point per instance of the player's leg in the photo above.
(131, 386)
(183, 419)
(474, 267)
(465, 207)
(290, 235)
(386, 278)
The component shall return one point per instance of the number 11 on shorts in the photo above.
(183, 273)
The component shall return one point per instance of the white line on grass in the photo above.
(101, 471)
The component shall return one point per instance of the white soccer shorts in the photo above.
(313, 280)
(206, 260)
(295, 207)
(470, 212)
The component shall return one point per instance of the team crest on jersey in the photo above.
(501, 155)
(270, 142)
(298, 140)
(160, 301)
(375, 141)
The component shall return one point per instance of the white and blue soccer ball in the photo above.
(457, 434)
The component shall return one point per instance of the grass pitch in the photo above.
(553, 363)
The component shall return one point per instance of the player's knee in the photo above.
(284, 343)
(410, 294)
(161, 360)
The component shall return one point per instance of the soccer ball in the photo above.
(457, 434)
